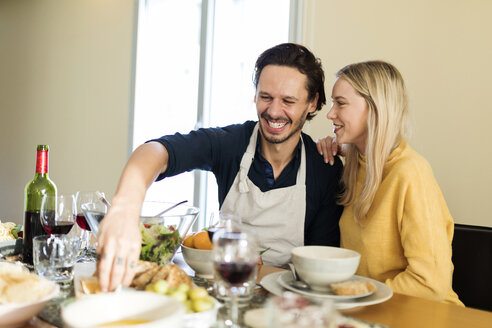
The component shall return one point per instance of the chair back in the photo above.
(472, 259)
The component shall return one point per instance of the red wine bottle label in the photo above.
(42, 161)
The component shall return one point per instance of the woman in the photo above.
(395, 215)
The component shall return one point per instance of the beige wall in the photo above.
(65, 80)
(444, 50)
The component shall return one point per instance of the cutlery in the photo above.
(297, 282)
(103, 199)
(170, 208)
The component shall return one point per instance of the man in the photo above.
(267, 174)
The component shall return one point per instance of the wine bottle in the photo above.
(35, 190)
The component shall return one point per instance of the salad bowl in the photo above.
(162, 235)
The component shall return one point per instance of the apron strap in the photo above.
(246, 161)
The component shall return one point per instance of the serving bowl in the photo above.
(200, 260)
(18, 313)
(319, 266)
(139, 308)
(161, 235)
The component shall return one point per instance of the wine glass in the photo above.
(235, 254)
(82, 197)
(57, 213)
(94, 213)
(220, 220)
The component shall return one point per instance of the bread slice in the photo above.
(353, 287)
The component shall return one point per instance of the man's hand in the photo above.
(119, 242)
(328, 148)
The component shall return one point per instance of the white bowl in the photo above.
(200, 260)
(95, 310)
(17, 314)
(320, 266)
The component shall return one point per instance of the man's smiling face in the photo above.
(281, 103)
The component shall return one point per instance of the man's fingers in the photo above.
(130, 267)
(104, 267)
(117, 272)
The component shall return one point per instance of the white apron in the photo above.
(277, 215)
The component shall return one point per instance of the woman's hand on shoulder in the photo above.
(329, 148)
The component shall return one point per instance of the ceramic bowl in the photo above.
(200, 260)
(119, 309)
(17, 314)
(319, 266)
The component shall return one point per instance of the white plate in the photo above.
(82, 270)
(383, 293)
(286, 278)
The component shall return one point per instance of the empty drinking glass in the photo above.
(54, 257)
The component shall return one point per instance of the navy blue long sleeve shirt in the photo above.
(220, 151)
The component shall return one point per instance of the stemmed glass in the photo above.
(235, 254)
(220, 220)
(94, 213)
(82, 197)
(57, 213)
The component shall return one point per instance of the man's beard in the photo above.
(279, 139)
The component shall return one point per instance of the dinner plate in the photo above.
(286, 279)
(383, 293)
(11, 247)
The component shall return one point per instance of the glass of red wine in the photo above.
(81, 197)
(57, 214)
(235, 254)
(94, 213)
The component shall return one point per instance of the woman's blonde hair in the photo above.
(383, 88)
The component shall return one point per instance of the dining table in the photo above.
(400, 311)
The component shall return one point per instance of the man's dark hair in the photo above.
(296, 56)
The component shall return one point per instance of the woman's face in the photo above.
(349, 115)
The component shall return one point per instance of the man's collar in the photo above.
(297, 151)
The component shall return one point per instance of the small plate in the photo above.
(383, 293)
(285, 280)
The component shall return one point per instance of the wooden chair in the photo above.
(472, 259)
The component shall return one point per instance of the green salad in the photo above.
(159, 243)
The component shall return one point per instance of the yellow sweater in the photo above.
(405, 241)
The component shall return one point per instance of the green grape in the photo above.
(161, 287)
(198, 293)
(189, 306)
(179, 296)
(185, 288)
(202, 304)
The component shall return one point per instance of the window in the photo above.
(195, 61)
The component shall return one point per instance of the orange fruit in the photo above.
(201, 240)
(188, 241)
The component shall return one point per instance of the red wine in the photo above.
(82, 222)
(58, 227)
(235, 273)
(94, 218)
(32, 228)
